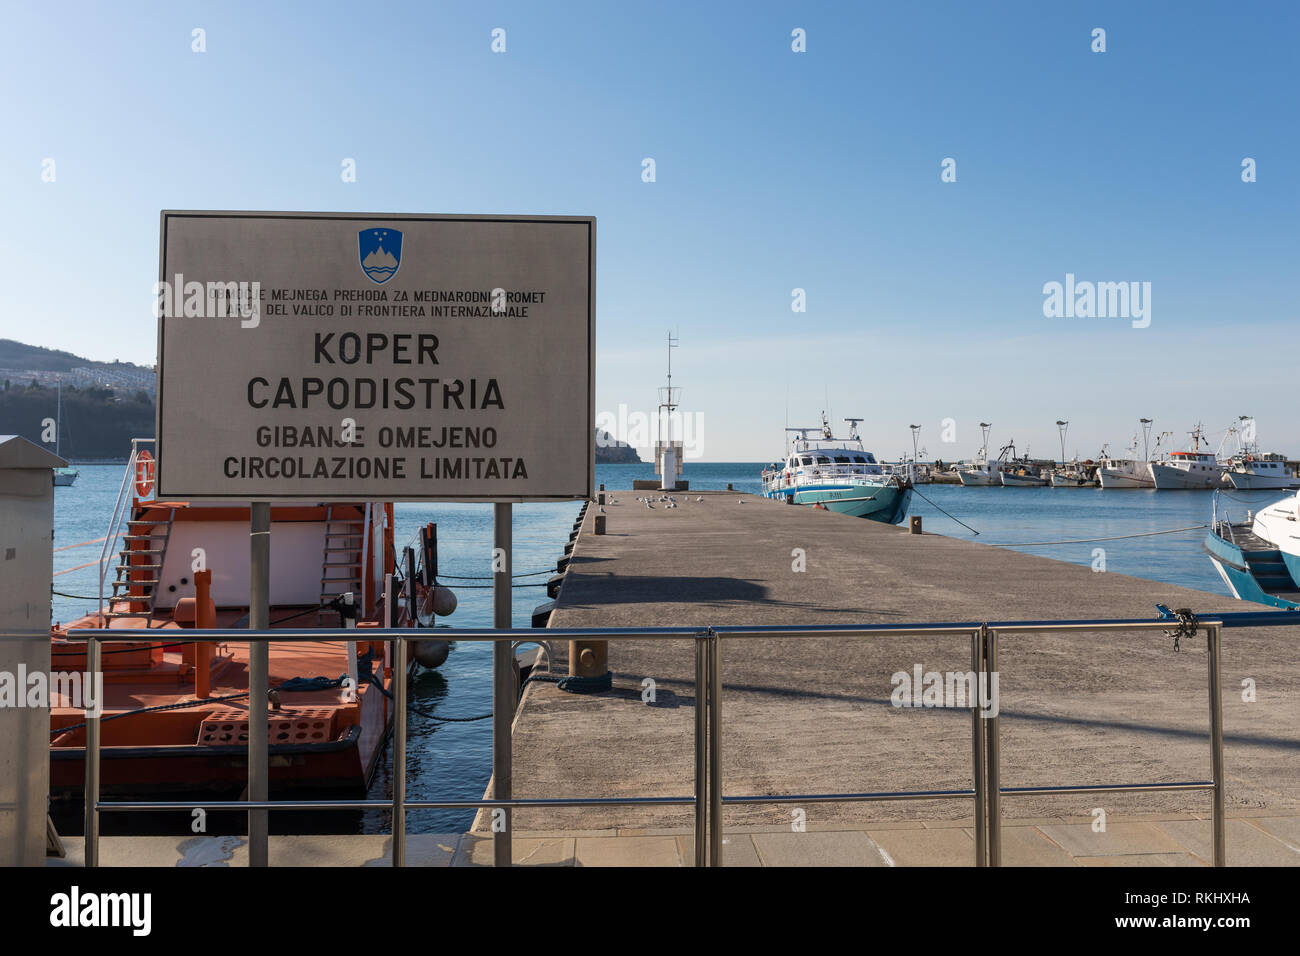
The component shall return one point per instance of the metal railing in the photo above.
(121, 508)
(708, 799)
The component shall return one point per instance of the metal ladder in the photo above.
(156, 539)
(343, 575)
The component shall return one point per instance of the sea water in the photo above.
(453, 761)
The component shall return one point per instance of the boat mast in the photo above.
(1062, 427)
(984, 441)
(1146, 438)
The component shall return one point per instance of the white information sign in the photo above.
(332, 356)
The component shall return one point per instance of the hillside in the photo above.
(97, 422)
(612, 452)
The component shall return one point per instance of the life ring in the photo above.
(144, 474)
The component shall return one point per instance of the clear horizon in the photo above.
(775, 171)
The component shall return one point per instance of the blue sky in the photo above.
(775, 170)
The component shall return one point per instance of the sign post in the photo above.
(327, 357)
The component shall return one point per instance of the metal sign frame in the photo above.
(353, 495)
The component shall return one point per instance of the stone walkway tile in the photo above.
(1141, 859)
(817, 848)
(1078, 839)
(1027, 846)
(627, 851)
(1286, 829)
(946, 846)
(476, 850)
(1246, 845)
(737, 850)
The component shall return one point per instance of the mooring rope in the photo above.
(1117, 537)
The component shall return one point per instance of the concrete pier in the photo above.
(815, 716)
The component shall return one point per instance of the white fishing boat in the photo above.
(1188, 470)
(1130, 471)
(837, 474)
(982, 472)
(1073, 474)
(1252, 471)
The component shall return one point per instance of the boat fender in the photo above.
(444, 601)
(431, 653)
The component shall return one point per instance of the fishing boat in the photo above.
(1130, 471)
(982, 472)
(1075, 474)
(63, 477)
(1259, 559)
(1193, 469)
(1252, 471)
(837, 475)
(1019, 472)
(174, 713)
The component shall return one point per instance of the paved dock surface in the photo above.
(1151, 840)
(814, 716)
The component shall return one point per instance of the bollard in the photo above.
(729, 488)
(602, 487)
(588, 658)
(600, 524)
(914, 524)
(600, 499)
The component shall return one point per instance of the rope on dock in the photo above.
(937, 508)
(1117, 537)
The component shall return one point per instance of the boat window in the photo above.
(842, 459)
(823, 460)
(859, 459)
(805, 461)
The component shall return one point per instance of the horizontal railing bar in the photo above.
(1008, 627)
(1108, 788)
(852, 797)
(288, 635)
(118, 806)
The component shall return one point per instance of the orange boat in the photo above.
(174, 716)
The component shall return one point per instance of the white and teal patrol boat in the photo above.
(837, 474)
(1259, 559)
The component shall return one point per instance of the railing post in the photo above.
(992, 780)
(1218, 829)
(503, 681)
(91, 762)
(978, 751)
(701, 747)
(399, 740)
(715, 749)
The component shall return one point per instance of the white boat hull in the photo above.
(1196, 477)
(1022, 481)
(1245, 481)
(980, 479)
(1114, 478)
